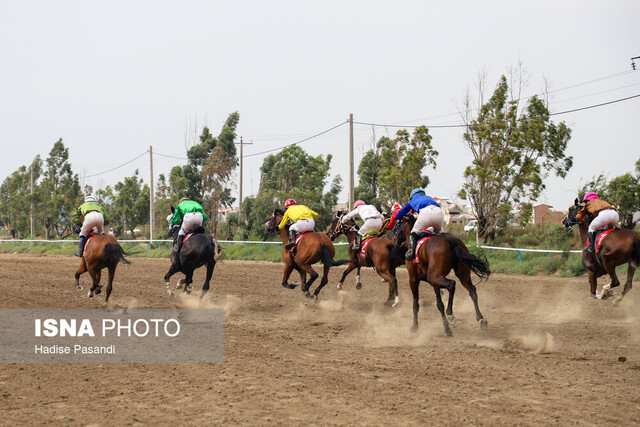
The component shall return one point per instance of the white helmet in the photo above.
(89, 199)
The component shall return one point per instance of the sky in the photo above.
(114, 78)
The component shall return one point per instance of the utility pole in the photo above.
(242, 143)
(350, 162)
(151, 195)
(31, 215)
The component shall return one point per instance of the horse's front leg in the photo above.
(593, 283)
(188, 280)
(358, 282)
(606, 289)
(81, 269)
(172, 270)
(414, 284)
(288, 268)
(210, 266)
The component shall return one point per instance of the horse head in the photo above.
(271, 226)
(575, 214)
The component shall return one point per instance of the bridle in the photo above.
(571, 219)
(271, 224)
(341, 228)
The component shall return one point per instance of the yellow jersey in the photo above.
(295, 213)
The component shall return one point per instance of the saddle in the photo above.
(422, 239)
(298, 238)
(600, 234)
(365, 242)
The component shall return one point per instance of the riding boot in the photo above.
(591, 247)
(292, 240)
(177, 244)
(357, 243)
(81, 243)
(412, 247)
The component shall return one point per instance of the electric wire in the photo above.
(117, 167)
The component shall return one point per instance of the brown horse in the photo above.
(311, 248)
(619, 247)
(381, 254)
(436, 258)
(100, 251)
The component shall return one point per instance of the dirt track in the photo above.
(550, 355)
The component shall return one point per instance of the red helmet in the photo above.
(183, 199)
(396, 206)
(289, 202)
(358, 203)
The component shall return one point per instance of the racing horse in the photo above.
(311, 248)
(198, 249)
(435, 260)
(100, 251)
(620, 246)
(380, 253)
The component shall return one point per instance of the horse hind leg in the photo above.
(81, 269)
(210, 266)
(323, 281)
(465, 280)
(95, 278)
(172, 270)
(440, 305)
(607, 290)
(358, 282)
(392, 299)
(631, 270)
(112, 272)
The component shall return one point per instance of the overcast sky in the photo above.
(113, 78)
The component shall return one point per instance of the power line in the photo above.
(171, 157)
(298, 142)
(463, 125)
(117, 167)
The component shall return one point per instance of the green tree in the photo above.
(526, 211)
(514, 148)
(292, 173)
(59, 191)
(130, 207)
(16, 200)
(388, 172)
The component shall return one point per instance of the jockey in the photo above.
(301, 216)
(94, 216)
(429, 215)
(394, 211)
(371, 217)
(188, 215)
(603, 215)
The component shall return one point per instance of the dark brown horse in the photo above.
(100, 251)
(436, 258)
(311, 248)
(380, 253)
(619, 247)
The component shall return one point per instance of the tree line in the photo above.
(514, 143)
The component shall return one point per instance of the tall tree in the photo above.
(60, 191)
(130, 207)
(388, 172)
(16, 199)
(292, 173)
(514, 148)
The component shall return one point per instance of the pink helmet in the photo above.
(289, 202)
(358, 203)
(590, 196)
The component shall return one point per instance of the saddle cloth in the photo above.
(423, 238)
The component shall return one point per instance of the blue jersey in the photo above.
(418, 202)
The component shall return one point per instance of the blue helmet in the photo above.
(416, 191)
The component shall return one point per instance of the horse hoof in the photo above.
(484, 324)
(414, 329)
(79, 288)
(452, 319)
(339, 286)
(189, 288)
(170, 293)
(448, 332)
(358, 286)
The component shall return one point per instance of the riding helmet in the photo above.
(183, 199)
(289, 202)
(358, 203)
(89, 199)
(416, 191)
(591, 195)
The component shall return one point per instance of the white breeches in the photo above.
(189, 221)
(303, 225)
(92, 219)
(370, 224)
(605, 217)
(429, 216)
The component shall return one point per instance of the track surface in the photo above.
(550, 355)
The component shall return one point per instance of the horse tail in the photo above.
(396, 254)
(114, 253)
(469, 260)
(327, 259)
(636, 252)
(218, 253)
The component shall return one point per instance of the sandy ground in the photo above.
(551, 355)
